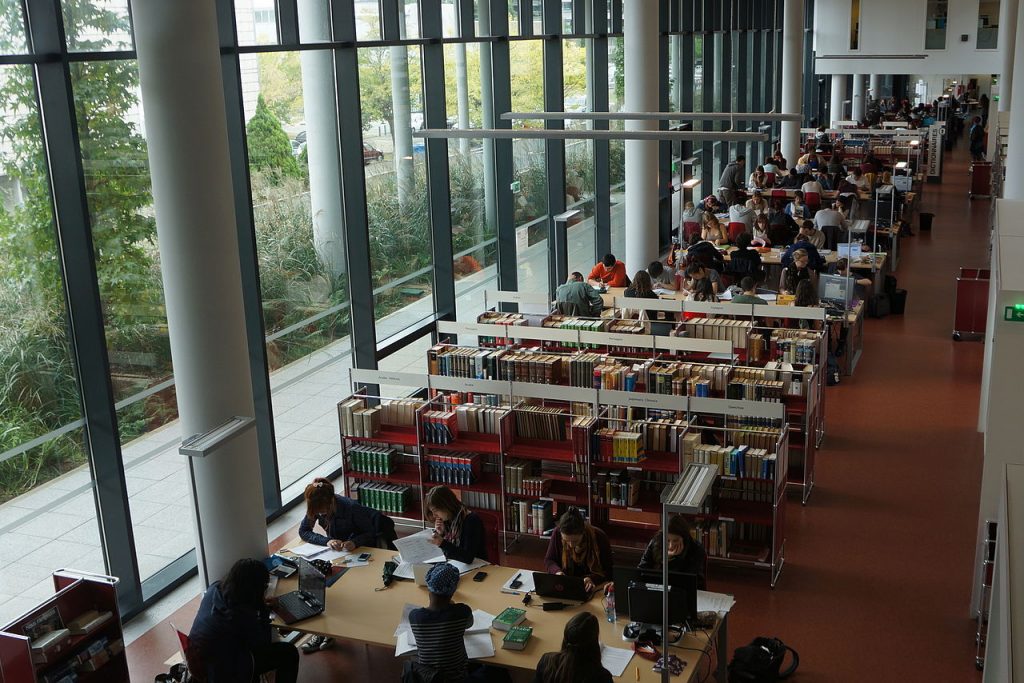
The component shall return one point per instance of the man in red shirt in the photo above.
(609, 271)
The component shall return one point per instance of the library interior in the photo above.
(647, 340)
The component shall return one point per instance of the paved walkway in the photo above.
(54, 526)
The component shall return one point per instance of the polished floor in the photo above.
(876, 584)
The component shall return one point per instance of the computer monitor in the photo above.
(849, 250)
(645, 604)
(836, 288)
(682, 594)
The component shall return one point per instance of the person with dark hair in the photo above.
(745, 260)
(732, 179)
(796, 272)
(685, 554)
(643, 288)
(796, 209)
(579, 660)
(347, 524)
(698, 271)
(458, 531)
(806, 293)
(580, 296)
(440, 628)
(609, 271)
(808, 233)
(577, 548)
(230, 640)
(762, 227)
(749, 295)
(790, 181)
(976, 137)
(662, 277)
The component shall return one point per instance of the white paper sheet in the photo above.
(466, 568)
(403, 571)
(615, 659)
(714, 602)
(526, 577)
(309, 550)
(479, 644)
(417, 548)
(481, 622)
(404, 644)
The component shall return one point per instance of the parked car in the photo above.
(371, 153)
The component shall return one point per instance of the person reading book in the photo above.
(642, 288)
(796, 272)
(230, 639)
(440, 627)
(609, 271)
(684, 553)
(749, 295)
(458, 532)
(579, 660)
(577, 548)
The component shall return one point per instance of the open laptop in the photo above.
(309, 600)
(560, 587)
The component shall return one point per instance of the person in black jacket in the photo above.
(684, 554)
(579, 660)
(348, 524)
(457, 531)
(745, 261)
(230, 638)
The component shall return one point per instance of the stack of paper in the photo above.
(615, 659)
(714, 602)
(310, 551)
(526, 577)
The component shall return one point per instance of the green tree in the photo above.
(270, 151)
(281, 84)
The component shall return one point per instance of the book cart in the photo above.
(76, 634)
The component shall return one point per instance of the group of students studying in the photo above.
(231, 637)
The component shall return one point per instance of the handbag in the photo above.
(761, 662)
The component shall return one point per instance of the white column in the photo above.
(321, 111)
(640, 25)
(835, 106)
(858, 97)
(462, 95)
(792, 76)
(1013, 187)
(876, 86)
(186, 133)
(401, 129)
(1008, 30)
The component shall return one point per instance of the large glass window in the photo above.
(617, 148)
(256, 22)
(12, 28)
(988, 24)
(937, 15)
(296, 189)
(854, 24)
(47, 508)
(579, 157)
(96, 25)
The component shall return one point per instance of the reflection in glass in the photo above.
(988, 24)
(96, 25)
(935, 25)
(854, 24)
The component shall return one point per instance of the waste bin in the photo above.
(898, 302)
(926, 221)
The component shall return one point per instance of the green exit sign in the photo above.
(1014, 314)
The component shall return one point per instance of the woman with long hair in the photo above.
(577, 548)
(712, 230)
(685, 554)
(348, 525)
(458, 532)
(579, 660)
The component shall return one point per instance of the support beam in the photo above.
(1013, 186)
(187, 139)
(792, 75)
(1008, 38)
(875, 87)
(835, 105)
(858, 110)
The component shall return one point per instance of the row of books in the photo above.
(797, 350)
(756, 437)
(531, 366)
(456, 469)
(520, 479)
(735, 540)
(400, 412)
(357, 420)
(686, 379)
(453, 398)
(499, 318)
(735, 331)
(440, 426)
(86, 660)
(530, 516)
(479, 418)
(795, 381)
(750, 490)
(480, 500)
(616, 488)
(539, 422)
(615, 445)
(667, 435)
(463, 361)
(378, 460)
(389, 498)
(756, 390)
(736, 461)
(750, 421)
(756, 347)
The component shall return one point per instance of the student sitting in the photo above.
(230, 640)
(830, 216)
(662, 277)
(757, 179)
(440, 628)
(713, 231)
(806, 295)
(685, 555)
(642, 288)
(858, 179)
(749, 296)
(808, 233)
(796, 272)
(791, 181)
(744, 260)
(739, 213)
(457, 531)
(762, 228)
(796, 209)
(579, 660)
(812, 186)
(757, 204)
(347, 523)
(577, 548)
(700, 290)
(695, 272)
(610, 271)
(582, 298)
(861, 285)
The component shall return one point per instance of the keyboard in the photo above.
(295, 606)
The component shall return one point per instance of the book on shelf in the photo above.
(732, 330)
(508, 618)
(520, 479)
(664, 434)
(400, 412)
(530, 516)
(359, 421)
(479, 500)
(440, 426)
(473, 417)
(539, 422)
(499, 318)
(389, 498)
(531, 366)
(735, 461)
(619, 446)
(378, 460)
(455, 469)
(516, 638)
(616, 488)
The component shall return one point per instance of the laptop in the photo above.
(560, 587)
(310, 598)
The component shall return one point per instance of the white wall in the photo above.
(898, 28)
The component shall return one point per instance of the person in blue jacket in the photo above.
(348, 524)
(230, 640)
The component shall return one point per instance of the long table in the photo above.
(356, 612)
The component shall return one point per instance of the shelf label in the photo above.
(404, 379)
(644, 400)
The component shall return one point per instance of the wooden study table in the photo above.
(356, 612)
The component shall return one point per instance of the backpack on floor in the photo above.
(878, 305)
(761, 662)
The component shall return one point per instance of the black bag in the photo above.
(890, 284)
(414, 672)
(761, 662)
(179, 673)
(878, 305)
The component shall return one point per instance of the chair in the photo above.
(736, 228)
(769, 179)
(834, 235)
(813, 200)
(492, 523)
(690, 228)
(780, 194)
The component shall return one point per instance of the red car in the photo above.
(371, 153)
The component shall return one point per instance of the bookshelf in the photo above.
(85, 639)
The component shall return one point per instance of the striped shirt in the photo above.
(439, 639)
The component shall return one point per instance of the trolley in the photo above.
(971, 307)
(981, 180)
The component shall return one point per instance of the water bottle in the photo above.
(609, 603)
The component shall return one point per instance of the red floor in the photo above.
(878, 570)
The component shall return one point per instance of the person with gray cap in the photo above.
(440, 627)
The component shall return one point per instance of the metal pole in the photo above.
(792, 75)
